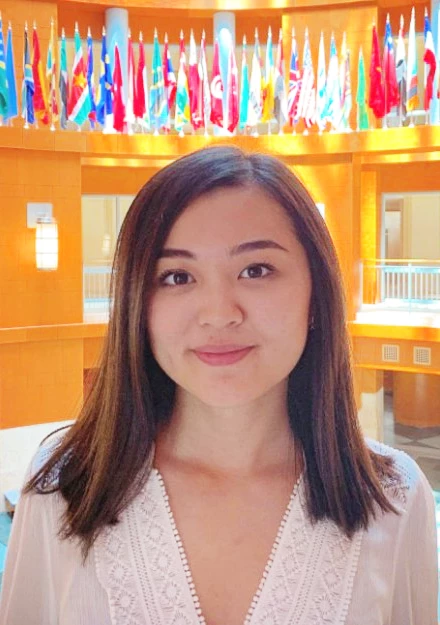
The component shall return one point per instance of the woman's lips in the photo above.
(219, 358)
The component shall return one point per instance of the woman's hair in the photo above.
(103, 460)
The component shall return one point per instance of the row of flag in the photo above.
(197, 98)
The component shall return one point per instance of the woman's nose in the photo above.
(219, 307)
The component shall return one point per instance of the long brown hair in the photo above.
(102, 461)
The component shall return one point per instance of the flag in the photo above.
(10, 77)
(307, 96)
(63, 82)
(389, 70)
(321, 119)
(268, 90)
(4, 100)
(232, 92)
(51, 72)
(40, 95)
(195, 104)
(169, 76)
(141, 106)
(376, 98)
(244, 92)
(294, 83)
(333, 89)
(401, 70)
(118, 94)
(27, 93)
(280, 96)
(104, 104)
(205, 85)
(158, 96)
(255, 105)
(430, 63)
(79, 101)
(361, 95)
(183, 112)
(91, 79)
(131, 87)
(345, 86)
(412, 98)
(216, 90)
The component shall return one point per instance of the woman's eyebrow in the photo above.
(249, 246)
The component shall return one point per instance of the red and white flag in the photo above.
(118, 98)
(216, 90)
(194, 85)
(204, 84)
(232, 92)
(131, 91)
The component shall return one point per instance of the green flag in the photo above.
(361, 95)
(244, 94)
(183, 113)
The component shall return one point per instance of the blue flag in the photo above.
(10, 77)
(91, 80)
(3, 82)
(104, 106)
(27, 94)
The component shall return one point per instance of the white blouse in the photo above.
(137, 572)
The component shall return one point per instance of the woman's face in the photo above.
(229, 313)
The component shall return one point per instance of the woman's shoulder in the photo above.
(44, 452)
(406, 480)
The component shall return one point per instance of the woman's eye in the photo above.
(257, 271)
(175, 278)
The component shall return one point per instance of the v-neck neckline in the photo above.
(269, 563)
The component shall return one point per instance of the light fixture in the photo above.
(46, 244)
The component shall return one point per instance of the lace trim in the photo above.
(267, 568)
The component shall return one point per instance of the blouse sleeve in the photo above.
(416, 573)
(28, 588)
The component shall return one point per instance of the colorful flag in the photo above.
(91, 79)
(401, 70)
(376, 98)
(195, 105)
(51, 72)
(321, 104)
(255, 106)
(280, 96)
(345, 86)
(244, 92)
(169, 75)
(307, 96)
(158, 96)
(141, 107)
(361, 95)
(104, 106)
(294, 83)
(412, 98)
(40, 95)
(232, 92)
(216, 89)
(131, 87)
(430, 63)
(333, 89)
(205, 85)
(268, 90)
(63, 82)
(118, 94)
(389, 70)
(4, 100)
(10, 77)
(27, 93)
(79, 101)
(183, 112)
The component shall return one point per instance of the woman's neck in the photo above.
(228, 440)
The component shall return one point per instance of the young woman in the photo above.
(217, 473)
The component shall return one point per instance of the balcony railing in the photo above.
(96, 289)
(401, 284)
